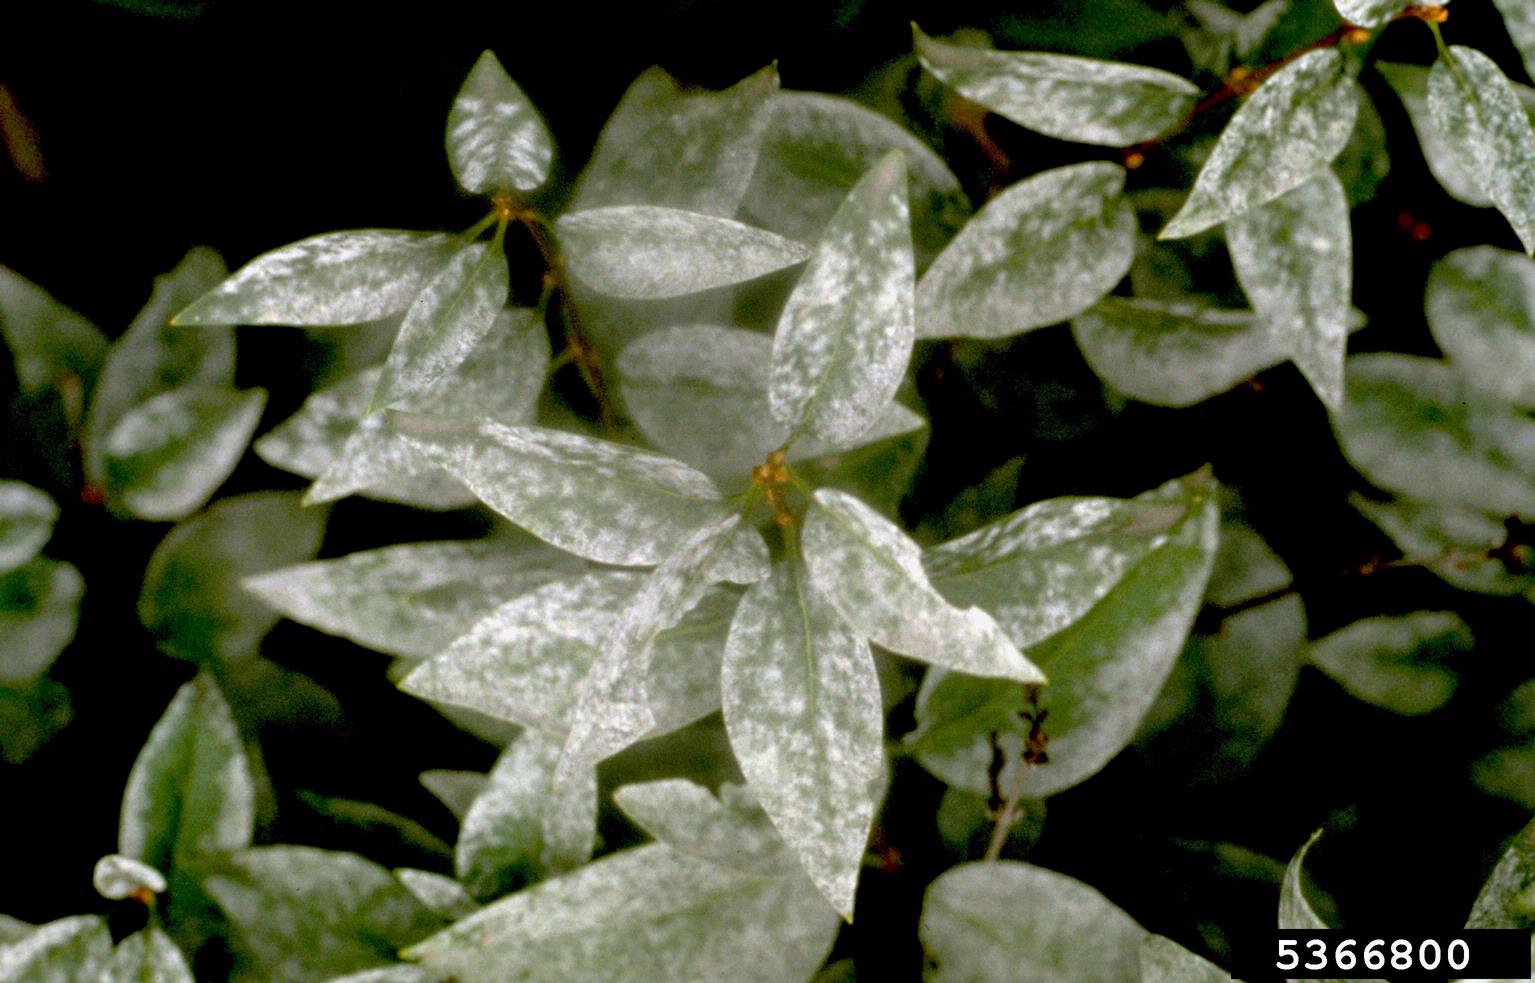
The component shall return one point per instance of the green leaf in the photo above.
(496, 141)
(1412, 426)
(148, 954)
(1294, 259)
(1165, 961)
(193, 600)
(1396, 662)
(442, 894)
(49, 343)
(1481, 118)
(645, 252)
(1004, 921)
(456, 790)
(731, 830)
(334, 278)
(665, 145)
(39, 610)
(597, 499)
(1456, 542)
(303, 914)
(1284, 135)
(1082, 99)
(13, 930)
(802, 708)
(1504, 900)
(27, 516)
(1519, 18)
(446, 322)
(70, 950)
(523, 826)
(1368, 13)
(117, 877)
(410, 600)
(846, 331)
(1481, 310)
(1043, 251)
(167, 456)
(647, 914)
(872, 572)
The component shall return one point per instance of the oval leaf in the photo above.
(1481, 310)
(1397, 663)
(27, 516)
(496, 142)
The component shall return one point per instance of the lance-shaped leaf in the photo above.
(643, 252)
(27, 516)
(49, 343)
(1368, 13)
(731, 831)
(439, 892)
(1043, 251)
(70, 950)
(525, 660)
(872, 572)
(335, 278)
(1284, 135)
(802, 707)
(1004, 921)
(1082, 99)
(1482, 120)
(39, 611)
(647, 914)
(116, 877)
(1411, 85)
(1457, 543)
(1396, 662)
(523, 827)
(846, 331)
(410, 600)
(496, 142)
(1481, 310)
(193, 600)
(304, 914)
(1165, 961)
(597, 499)
(681, 149)
(1294, 259)
(454, 310)
(148, 954)
(1413, 426)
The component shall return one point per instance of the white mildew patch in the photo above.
(872, 572)
(27, 516)
(1284, 135)
(335, 278)
(1500, 903)
(1294, 258)
(1041, 252)
(1164, 961)
(148, 954)
(1411, 85)
(65, 951)
(646, 253)
(1083, 99)
(496, 140)
(688, 818)
(1519, 18)
(1295, 910)
(1481, 311)
(846, 332)
(116, 877)
(1368, 13)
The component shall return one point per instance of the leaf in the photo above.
(1294, 259)
(1082, 99)
(1504, 900)
(666, 146)
(13, 930)
(802, 708)
(410, 600)
(49, 343)
(1412, 426)
(597, 499)
(1165, 961)
(1457, 542)
(1396, 663)
(1368, 13)
(372, 823)
(1003, 921)
(70, 950)
(39, 611)
(1043, 251)
(846, 331)
(646, 914)
(399, 973)
(304, 914)
(117, 877)
(1482, 120)
(1295, 911)
(646, 252)
(1411, 85)
(456, 790)
(730, 830)
(27, 516)
(872, 572)
(1519, 18)
(193, 600)
(1285, 134)
(496, 141)
(524, 827)
(148, 954)
(438, 892)
(334, 278)
(167, 456)
(1481, 311)
(446, 321)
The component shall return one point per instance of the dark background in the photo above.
(246, 125)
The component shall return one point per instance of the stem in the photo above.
(1006, 819)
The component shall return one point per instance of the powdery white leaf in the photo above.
(1087, 100)
(70, 950)
(27, 516)
(148, 954)
(1482, 120)
(1043, 251)
(456, 790)
(392, 974)
(645, 252)
(1397, 663)
(1295, 911)
(1285, 134)
(646, 914)
(523, 827)
(496, 141)
(802, 708)
(439, 892)
(1457, 542)
(49, 343)
(1294, 260)
(13, 930)
(1003, 921)
(1413, 426)
(872, 572)
(1519, 18)
(1481, 311)
(446, 321)
(334, 278)
(39, 611)
(690, 820)
(1164, 961)
(410, 600)
(664, 145)
(846, 331)
(1411, 85)
(117, 877)
(1368, 13)
(1503, 901)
